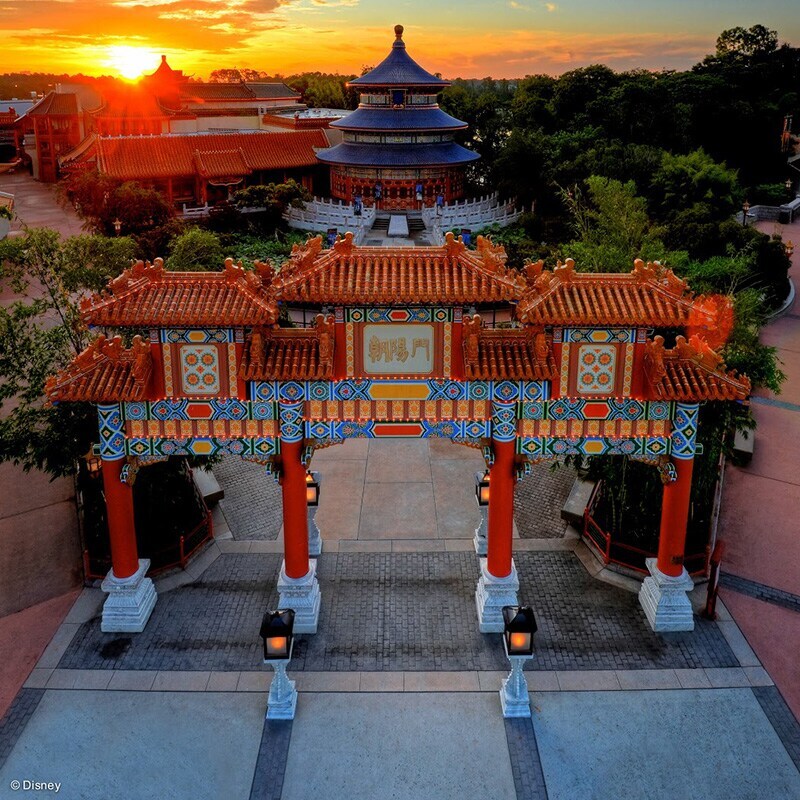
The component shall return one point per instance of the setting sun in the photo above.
(131, 62)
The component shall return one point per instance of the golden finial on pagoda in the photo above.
(398, 31)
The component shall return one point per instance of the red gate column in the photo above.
(131, 595)
(297, 584)
(498, 584)
(663, 595)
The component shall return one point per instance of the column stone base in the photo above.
(491, 595)
(664, 600)
(481, 532)
(130, 601)
(314, 535)
(303, 595)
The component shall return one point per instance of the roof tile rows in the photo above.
(289, 354)
(148, 296)
(105, 372)
(691, 371)
(650, 296)
(506, 354)
(346, 275)
(240, 153)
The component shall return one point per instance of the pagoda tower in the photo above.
(398, 144)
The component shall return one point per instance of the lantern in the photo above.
(94, 463)
(520, 625)
(312, 490)
(482, 488)
(277, 632)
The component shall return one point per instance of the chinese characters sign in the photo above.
(398, 349)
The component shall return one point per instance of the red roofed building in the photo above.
(202, 168)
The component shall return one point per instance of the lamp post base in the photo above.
(491, 595)
(282, 699)
(481, 532)
(314, 535)
(302, 595)
(665, 601)
(130, 601)
(514, 697)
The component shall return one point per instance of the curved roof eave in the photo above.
(406, 119)
(427, 155)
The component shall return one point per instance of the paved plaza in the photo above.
(398, 689)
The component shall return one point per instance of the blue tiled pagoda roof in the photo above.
(399, 69)
(397, 155)
(406, 119)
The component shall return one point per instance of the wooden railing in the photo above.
(612, 551)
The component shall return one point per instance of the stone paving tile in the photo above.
(693, 678)
(180, 681)
(223, 682)
(398, 612)
(133, 680)
(16, 718)
(598, 680)
(723, 678)
(441, 682)
(38, 678)
(252, 504)
(538, 500)
(271, 762)
(757, 676)
(647, 679)
(381, 682)
(781, 718)
(526, 766)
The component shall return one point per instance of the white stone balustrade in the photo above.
(319, 215)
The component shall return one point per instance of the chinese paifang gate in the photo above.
(573, 365)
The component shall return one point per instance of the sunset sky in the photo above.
(470, 38)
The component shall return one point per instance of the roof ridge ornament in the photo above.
(233, 272)
(344, 245)
(453, 246)
(564, 271)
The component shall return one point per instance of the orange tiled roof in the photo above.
(650, 296)
(148, 296)
(177, 155)
(347, 274)
(514, 354)
(104, 372)
(289, 354)
(217, 163)
(55, 103)
(691, 371)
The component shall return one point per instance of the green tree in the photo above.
(196, 250)
(743, 43)
(611, 226)
(40, 333)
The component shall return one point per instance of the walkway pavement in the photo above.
(36, 205)
(760, 509)
(398, 690)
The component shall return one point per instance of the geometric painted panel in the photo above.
(196, 336)
(202, 447)
(537, 446)
(599, 335)
(596, 368)
(200, 369)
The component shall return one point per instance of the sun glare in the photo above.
(131, 62)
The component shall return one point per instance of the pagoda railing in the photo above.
(320, 215)
(472, 214)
